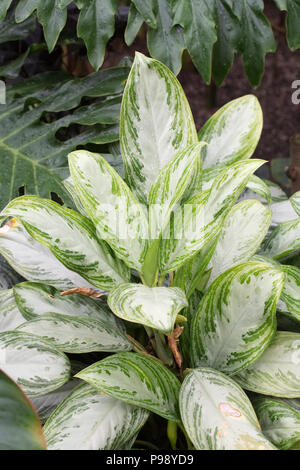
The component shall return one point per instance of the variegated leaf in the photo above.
(217, 414)
(33, 362)
(34, 299)
(77, 334)
(260, 187)
(20, 427)
(291, 290)
(236, 321)
(156, 123)
(10, 315)
(282, 211)
(232, 133)
(69, 185)
(280, 422)
(34, 261)
(283, 241)
(89, 420)
(277, 371)
(242, 233)
(71, 237)
(201, 218)
(156, 307)
(117, 215)
(295, 201)
(136, 379)
(170, 185)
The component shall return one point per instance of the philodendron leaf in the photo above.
(156, 307)
(199, 221)
(291, 290)
(77, 334)
(33, 362)
(4, 6)
(34, 299)
(277, 371)
(10, 316)
(280, 422)
(242, 233)
(156, 123)
(236, 321)
(295, 201)
(146, 10)
(20, 428)
(89, 420)
(134, 23)
(170, 185)
(71, 237)
(283, 241)
(117, 215)
(217, 414)
(136, 379)
(232, 133)
(53, 20)
(34, 261)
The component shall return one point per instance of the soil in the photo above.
(281, 116)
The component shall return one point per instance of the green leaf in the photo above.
(72, 239)
(4, 6)
(277, 371)
(53, 20)
(236, 321)
(88, 420)
(10, 316)
(34, 299)
(292, 21)
(147, 11)
(201, 218)
(291, 290)
(260, 187)
(33, 261)
(217, 414)
(77, 334)
(25, 8)
(10, 31)
(117, 215)
(156, 123)
(256, 38)
(196, 17)
(170, 185)
(242, 233)
(280, 423)
(20, 428)
(295, 201)
(33, 362)
(232, 133)
(166, 42)
(31, 156)
(134, 24)
(96, 25)
(136, 379)
(283, 241)
(156, 307)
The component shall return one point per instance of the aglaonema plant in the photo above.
(168, 277)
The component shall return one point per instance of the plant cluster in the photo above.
(159, 294)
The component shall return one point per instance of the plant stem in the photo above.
(161, 280)
(172, 433)
(146, 444)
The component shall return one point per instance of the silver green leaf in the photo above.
(34, 299)
(277, 371)
(282, 211)
(10, 315)
(71, 237)
(34, 261)
(77, 334)
(156, 123)
(33, 362)
(199, 221)
(283, 241)
(242, 233)
(291, 290)
(89, 420)
(136, 379)
(217, 414)
(156, 307)
(232, 133)
(295, 201)
(236, 321)
(280, 422)
(260, 187)
(117, 215)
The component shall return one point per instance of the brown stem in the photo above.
(172, 340)
(84, 291)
